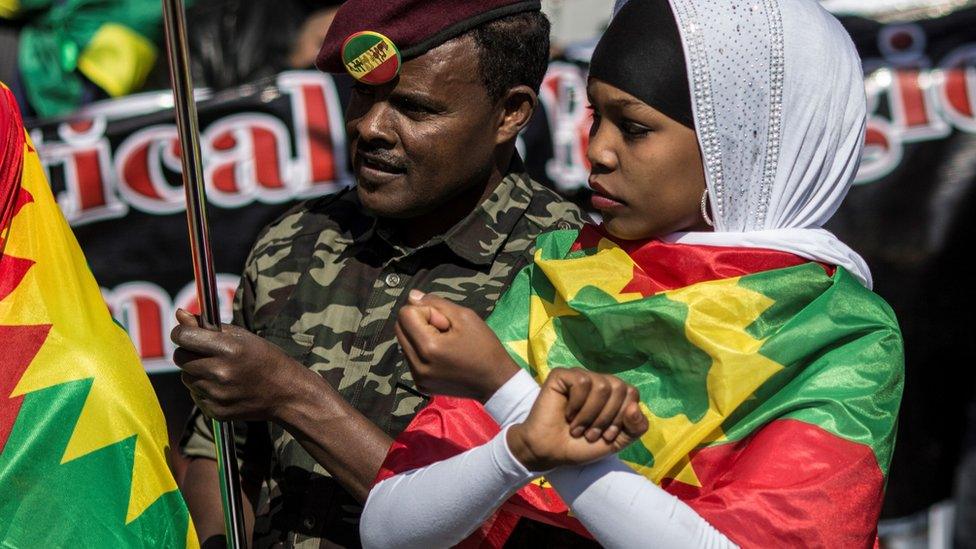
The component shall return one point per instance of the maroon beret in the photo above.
(414, 26)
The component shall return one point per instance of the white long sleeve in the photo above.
(441, 504)
(623, 509)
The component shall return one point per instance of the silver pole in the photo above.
(203, 269)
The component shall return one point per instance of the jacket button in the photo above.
(563, 225)
(392, 280)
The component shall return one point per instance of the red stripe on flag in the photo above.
(11, 156)
(663, 266)
(790, 484)
(12, 271)
(20, 345)
(446, 427)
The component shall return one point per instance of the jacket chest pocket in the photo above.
(296, 345)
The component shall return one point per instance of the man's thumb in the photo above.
(186, 319)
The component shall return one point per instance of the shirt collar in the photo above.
(479, 236)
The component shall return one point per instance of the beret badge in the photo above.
(371, 57)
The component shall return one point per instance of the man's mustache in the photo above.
(382, 157)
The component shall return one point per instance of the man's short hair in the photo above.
(512, 51)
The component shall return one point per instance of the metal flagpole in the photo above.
(203, 269)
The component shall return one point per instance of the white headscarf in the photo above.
(779, 106)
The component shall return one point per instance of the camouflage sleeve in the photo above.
(253, 444)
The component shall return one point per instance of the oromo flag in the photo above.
(771, 384)
(82, 437)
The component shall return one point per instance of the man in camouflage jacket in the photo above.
(311, 372)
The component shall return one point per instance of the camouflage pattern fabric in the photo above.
(324, 283)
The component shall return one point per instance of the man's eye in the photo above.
(363, 89)
(412, 107)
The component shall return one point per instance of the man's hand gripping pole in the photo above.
(203, 270)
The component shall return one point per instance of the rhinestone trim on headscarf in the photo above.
(776, 70)
(749, 112)
(704, 111)
(735, 55)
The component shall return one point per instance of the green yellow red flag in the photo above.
(82, 436)
(771, 384)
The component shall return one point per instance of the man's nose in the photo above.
(376, 124)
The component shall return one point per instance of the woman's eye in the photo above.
(594, 121)
(632, 129)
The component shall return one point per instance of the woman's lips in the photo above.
(602, 200)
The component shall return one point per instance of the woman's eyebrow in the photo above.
(625, 102)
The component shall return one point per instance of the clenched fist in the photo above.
(579, 417)
(450, 349)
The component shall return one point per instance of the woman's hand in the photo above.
(450, 350)
(579, 417)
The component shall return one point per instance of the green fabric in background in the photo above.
(55, 36)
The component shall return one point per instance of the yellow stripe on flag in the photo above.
(718, 314)
(83, 343)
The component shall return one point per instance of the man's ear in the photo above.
(517, 107)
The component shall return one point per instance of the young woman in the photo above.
(711, 316)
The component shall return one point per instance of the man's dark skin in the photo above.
(427, 148)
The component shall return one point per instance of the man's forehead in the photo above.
(454, 62)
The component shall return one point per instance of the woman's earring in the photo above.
(704, 209)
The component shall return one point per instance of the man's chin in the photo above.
(385, 202)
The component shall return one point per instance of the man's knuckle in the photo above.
(233, 348)
(221, 376)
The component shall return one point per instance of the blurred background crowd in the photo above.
(92, 79)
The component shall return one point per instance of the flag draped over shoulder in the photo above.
(771, 384)
(82, 437)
